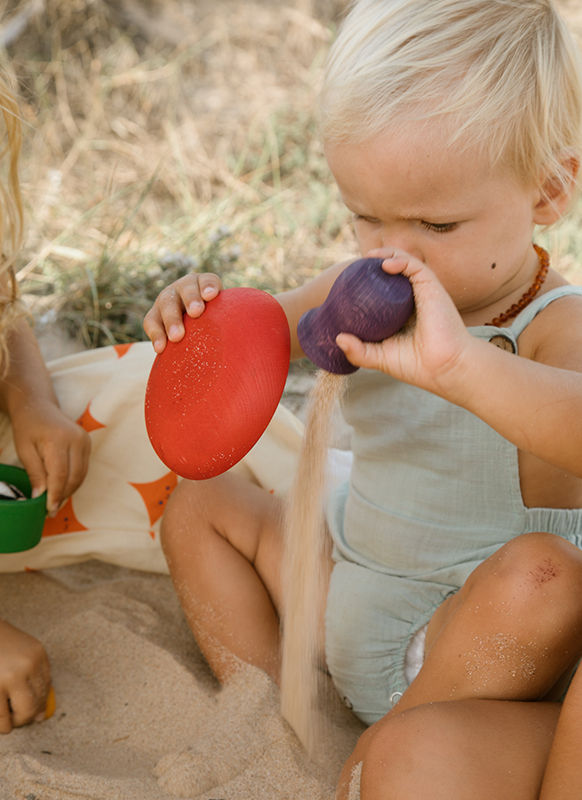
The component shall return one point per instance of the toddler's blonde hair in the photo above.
(11, 215)
(505, 75)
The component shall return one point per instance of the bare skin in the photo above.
(469, 750)
(237, 544)
(563, 777)
(25, 678)
(54, 450)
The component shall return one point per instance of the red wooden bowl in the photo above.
(210, 396)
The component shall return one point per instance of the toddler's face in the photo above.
(471, 225)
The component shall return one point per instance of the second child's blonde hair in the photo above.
(505, 75)
(11, 215)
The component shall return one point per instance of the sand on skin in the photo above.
(139, 715)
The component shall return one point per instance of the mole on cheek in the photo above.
(493, 265)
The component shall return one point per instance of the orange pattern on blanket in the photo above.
(64, 522)
(88, 422)
(155, 494)
(121, 349)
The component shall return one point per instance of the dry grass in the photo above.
(166, 135)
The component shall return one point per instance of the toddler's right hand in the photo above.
(188, 294)
(25, 678)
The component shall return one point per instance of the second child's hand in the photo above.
(53, 450)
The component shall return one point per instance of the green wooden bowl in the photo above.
(21, 521)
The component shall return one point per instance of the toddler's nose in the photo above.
(405, 243)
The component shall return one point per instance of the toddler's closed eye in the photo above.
(442, 227)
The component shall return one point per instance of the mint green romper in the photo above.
(433, 492)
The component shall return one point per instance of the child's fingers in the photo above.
(66, 469)
(34, 466)
(189, 294)
(78, 464)
(164, 320)
(58, 473)
(154, 328)
(26, 702)
(5, 713)
(210, 286)
(397, 261)
(57, 464)
(196, 290)
(360, 354)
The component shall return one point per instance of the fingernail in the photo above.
(40, 717)
(195, 306)
(208, 290)
(173, 330)
(36, 492)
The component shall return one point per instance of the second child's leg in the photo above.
(223, 542)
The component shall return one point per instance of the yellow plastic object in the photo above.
(51, 704)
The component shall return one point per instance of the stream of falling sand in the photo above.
(307, 548)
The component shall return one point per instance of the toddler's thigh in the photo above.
(482, 749)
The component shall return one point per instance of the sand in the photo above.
(306, 570)
(139, 714)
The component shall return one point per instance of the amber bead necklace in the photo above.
(528, 296)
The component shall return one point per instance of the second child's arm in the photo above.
(53, 449)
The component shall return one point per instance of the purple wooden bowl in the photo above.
(365, 301)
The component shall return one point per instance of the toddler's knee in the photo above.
(540, 571)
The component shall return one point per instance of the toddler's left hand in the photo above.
(53, 449)
(429, 350)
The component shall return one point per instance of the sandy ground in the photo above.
(139, 715)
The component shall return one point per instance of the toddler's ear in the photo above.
(557, 189)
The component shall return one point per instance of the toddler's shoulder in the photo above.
(554, 336)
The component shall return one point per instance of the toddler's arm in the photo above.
(53, 449)
(534, 401)
(25, 678)
(190, 293)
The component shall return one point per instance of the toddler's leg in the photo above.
(223, 542)
(461, 750)
(563, 776)
(513, 631)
